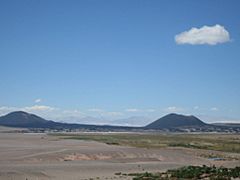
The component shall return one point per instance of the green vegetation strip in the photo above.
(219, 142)
(191, 172)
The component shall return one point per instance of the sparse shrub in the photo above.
(191, 172)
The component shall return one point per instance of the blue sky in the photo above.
(116, 59)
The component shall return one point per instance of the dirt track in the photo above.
(39, 156)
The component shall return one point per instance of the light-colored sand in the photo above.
(43, 157)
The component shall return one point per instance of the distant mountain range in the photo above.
(132, 121)
(227, 124)
(170, 121)
(26, 120)
(129, 121)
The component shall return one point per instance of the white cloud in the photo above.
(112, 113)
(196, 107)
(104, 113)
(5, 109)
(38, 100)
(173, 109)
(72, 112)
(218, 119)
(150, 110)
(132, 110)
(211, 35)
(38, 108)
(95, 110)
(214, 109)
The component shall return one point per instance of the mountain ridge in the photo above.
(174, 120)
(27, 120)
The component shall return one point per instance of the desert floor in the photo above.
(43, 157)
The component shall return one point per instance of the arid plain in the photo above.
(42, 156)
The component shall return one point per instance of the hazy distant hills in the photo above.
(27, 120)
(176, 120)
(227, 124)
(171, 121)
(132, 121)
(137, 121)
(24, 119)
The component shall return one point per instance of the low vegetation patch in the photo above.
(191, 172)
(218, 142)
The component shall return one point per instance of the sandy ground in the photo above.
(43, 157)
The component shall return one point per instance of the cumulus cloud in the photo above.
(39, 108)
(5, 109)
(218, 119)
(112, 113)
(95, 110)
(38, 100)
(74, 111)
(132, 110)
(211, 35)
(173, 109)
(104, 113)
(196, 107)
(150, 110)
(214, 109)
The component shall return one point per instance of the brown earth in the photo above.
(44, 157)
